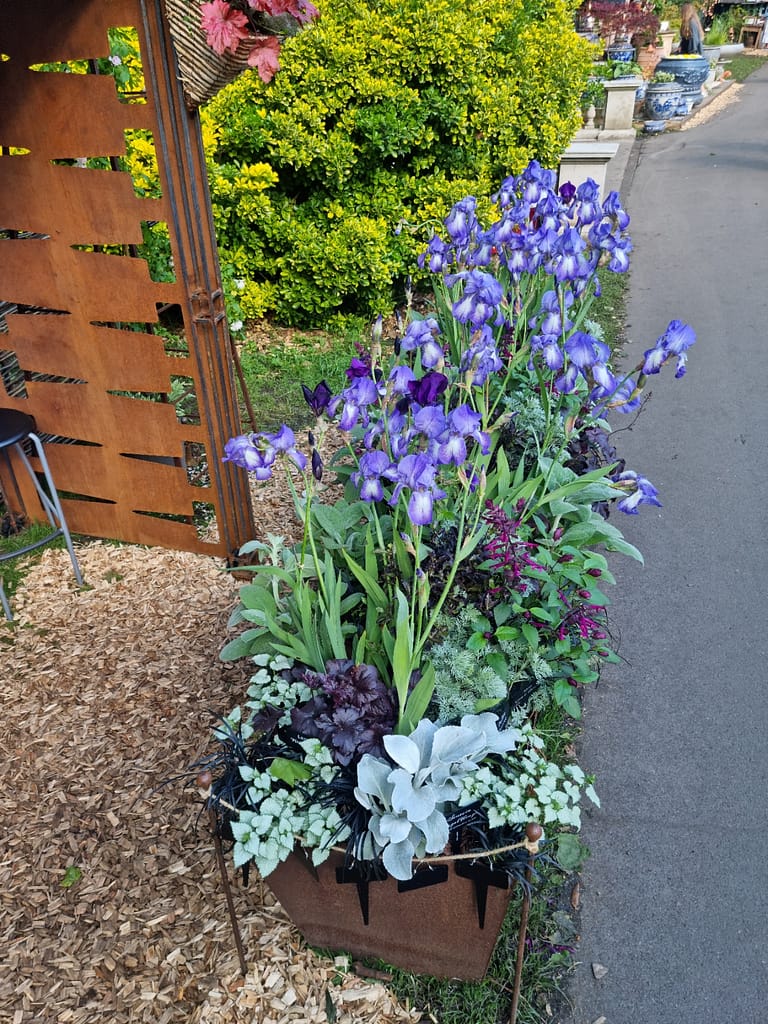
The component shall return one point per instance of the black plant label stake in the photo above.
(484, 877)
(348, 876)
(424, 877)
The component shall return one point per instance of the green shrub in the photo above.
(327, 182)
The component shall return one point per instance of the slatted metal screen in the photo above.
(135, 417)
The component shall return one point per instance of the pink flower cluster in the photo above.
(227, 24)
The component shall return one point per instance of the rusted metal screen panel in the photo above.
(79, 309)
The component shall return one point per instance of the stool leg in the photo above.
(51, 502)
(5, 604)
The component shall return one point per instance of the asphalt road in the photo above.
(674, 899)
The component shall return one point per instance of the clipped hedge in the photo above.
(327, 182)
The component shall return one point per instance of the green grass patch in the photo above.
(12, 572)
(610, 309)
(547, 959)
(743, 65)
(275, 367)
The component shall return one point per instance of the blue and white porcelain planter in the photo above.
(662, 100)
(691, 72)
(623, 52)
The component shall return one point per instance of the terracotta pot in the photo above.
(441, 923)
(648, 57)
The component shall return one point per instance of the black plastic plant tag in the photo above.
(484, 877)
(425, 877)
(347, 876)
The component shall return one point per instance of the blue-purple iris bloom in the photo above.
(317, 398)
(360, 394)
(257, 453)
(422, 335)
(586, 353)
(482, 357)
(642, 493)
(463, 423)
(675, 341)
(367, 478)
(417, 473)
(481, 299)
(428, 388)
(461, 222)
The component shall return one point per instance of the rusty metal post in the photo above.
(533, 834)
(228, 892)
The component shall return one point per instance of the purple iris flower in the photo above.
(251, 452)
(612, 208)
(549, 347)
(317, 398)
(284, 441)
(620, 398)
(463, 422)
(368, 478)
(583, 350)
(358, 368)
(430, 421)
(417, 473)
(517, 258)
(257, 452)
(549, 212)
(587, 203)
(567, 191)
(619, 262)
(675, 341)
(461, 222)
(361, 393)
(400, 377)
(480, 301)
(642, 493)
(421, 334)
(428, 388)
(566, 384)
(436, 258)
(570, 264)
(482, 357)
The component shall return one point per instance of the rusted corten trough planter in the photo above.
(443, 922)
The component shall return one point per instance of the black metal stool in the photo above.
(17, 428)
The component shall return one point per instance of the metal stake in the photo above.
(533, 833)
(228, 892)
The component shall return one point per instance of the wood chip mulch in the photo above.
(111, 907)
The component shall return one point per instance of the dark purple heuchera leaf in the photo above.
(351, 714)
(266, 720)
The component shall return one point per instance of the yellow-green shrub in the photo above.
(326, 182)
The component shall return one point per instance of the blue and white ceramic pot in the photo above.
(624, 52)
(662, 100)
(690, 71)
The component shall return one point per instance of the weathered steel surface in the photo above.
(95, 377)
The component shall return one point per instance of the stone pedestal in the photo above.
(584, 160)
(620, 103)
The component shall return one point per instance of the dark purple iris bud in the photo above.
(429, 388)
(567, 191)
(317, 398)
(317, 465)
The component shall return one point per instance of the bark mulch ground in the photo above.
(111, 909)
